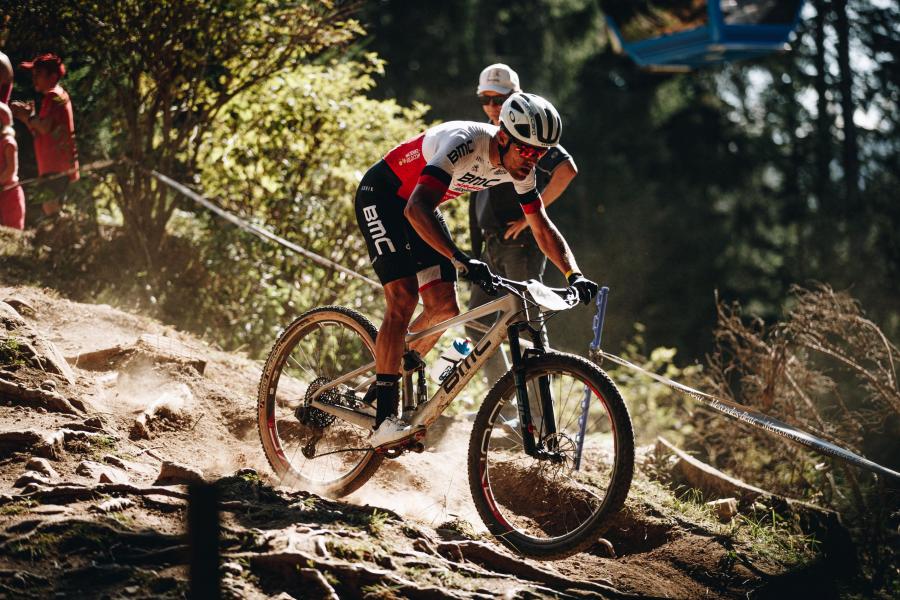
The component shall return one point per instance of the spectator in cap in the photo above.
(6, 78)
(53, 128)
(12, 198)
(500, 236)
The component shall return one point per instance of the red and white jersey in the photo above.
(454, 156)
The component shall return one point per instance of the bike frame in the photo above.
(506, 326)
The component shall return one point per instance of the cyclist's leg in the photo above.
(437, 285)
(440, 305)
(379, 213)
(401, 298)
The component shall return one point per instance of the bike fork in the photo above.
(526, 422)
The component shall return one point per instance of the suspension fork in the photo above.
(526, 424)
(548, 417)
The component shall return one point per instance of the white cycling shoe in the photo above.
(391, 432)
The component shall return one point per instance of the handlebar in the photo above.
(568, 295)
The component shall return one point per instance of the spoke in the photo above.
(308, 360)
(321, 346)
(295, 361)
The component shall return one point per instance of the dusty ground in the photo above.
(99, 526)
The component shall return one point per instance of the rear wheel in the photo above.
(309, 448)
(558, 504)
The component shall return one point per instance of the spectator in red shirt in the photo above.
(53, 127)
(12, 198)
(6, 78)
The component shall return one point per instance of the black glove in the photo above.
(586, 288)
(475, 271)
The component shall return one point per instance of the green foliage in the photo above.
(287, 154)
(157, 75)
(655, 408)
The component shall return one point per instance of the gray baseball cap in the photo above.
(498, 78)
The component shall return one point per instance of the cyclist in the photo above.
(410, 246)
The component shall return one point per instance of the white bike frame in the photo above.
(509, 306)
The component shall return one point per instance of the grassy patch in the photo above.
(19, 507)
(771, 536)
(381, 591)
(93, 447)
(11, 352)
(64, 538)
(373, 522)
(36, 546)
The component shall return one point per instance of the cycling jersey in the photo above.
(454, 158)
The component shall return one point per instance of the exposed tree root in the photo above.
(21, 395)
(488, 556)
(66, 493)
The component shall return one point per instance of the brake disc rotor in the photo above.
(562, 445)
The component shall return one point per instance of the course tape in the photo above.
(88, 168)
(259, 231)
(272, 237)
(759, 420)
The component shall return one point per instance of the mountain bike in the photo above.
(551, 453)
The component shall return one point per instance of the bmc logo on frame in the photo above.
(463, 367)
(377, 230)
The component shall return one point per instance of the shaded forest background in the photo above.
(741, 180)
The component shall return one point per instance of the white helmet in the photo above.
(530, 119)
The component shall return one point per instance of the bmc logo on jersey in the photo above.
(472, 179)
(460, 151)
(377, 230)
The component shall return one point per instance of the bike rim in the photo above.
(315, 353)
(543, 502)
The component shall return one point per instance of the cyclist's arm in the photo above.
(549, 239)
(419, 212)
(562, 176)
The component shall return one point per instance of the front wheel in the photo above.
(558, 502)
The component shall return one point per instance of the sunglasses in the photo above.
(495, 100)
(529, 152)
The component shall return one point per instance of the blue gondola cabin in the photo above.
(686, 34)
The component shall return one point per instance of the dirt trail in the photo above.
(98, 519)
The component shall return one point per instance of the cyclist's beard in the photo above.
(503, 151)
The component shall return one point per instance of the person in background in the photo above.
(12, 198)
(6, 78)
(500, 235)
(53, 128)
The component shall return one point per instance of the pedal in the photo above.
(411, 443)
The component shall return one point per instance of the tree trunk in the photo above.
(823, 119)
(850, 152)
